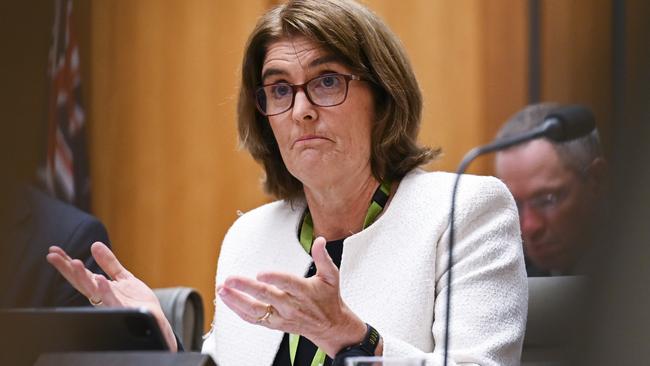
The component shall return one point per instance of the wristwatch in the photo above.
(366, 348)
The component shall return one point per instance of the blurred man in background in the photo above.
(559, 189)
(31, 222)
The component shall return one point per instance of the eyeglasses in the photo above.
(544, 203)
(324, 91)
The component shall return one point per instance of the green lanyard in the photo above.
(379, 200)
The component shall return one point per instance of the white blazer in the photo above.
(393, 274)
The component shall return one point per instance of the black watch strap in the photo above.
(370, 341)
(367, 347)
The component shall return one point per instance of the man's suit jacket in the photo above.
(534, 271)
(34, 222)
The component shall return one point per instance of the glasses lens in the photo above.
(274, 99)
(328, 90)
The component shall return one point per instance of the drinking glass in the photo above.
(385, 361)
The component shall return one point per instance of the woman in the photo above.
(330, 107)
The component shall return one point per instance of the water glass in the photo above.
(385, 361)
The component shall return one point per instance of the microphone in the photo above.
(564, 124)
(569, 123)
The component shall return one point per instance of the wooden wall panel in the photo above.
(470, 59)
(576, 56)
(168, 178)
(506, 66)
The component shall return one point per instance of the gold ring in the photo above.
(266, 316)
(95, 302)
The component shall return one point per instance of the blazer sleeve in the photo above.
(489, 289)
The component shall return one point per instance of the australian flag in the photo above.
(65, 172)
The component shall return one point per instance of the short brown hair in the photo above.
(576, 155)
(366, 45)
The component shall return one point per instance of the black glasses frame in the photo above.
(296, 87)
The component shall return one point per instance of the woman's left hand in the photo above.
(311, 307)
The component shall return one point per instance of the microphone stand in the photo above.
(551, 127)
(567, 123)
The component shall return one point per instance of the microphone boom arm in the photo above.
(566, 124)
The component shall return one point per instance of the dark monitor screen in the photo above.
(27, 333)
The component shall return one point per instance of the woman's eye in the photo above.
(280, 90)
(329, 81)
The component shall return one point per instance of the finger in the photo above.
(60, 261)
(244, 306)
(62, 265)
(325, 267)
(59, 251)
(108, 262)
(69, 269)
(286, 282)
(261, 291)
(59, 256)
(84, 279)
(105, 292)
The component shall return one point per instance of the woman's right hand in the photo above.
(121, 289)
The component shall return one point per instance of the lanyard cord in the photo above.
(379, 199)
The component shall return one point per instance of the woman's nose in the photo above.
(303, 109)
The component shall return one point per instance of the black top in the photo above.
(307, 349)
